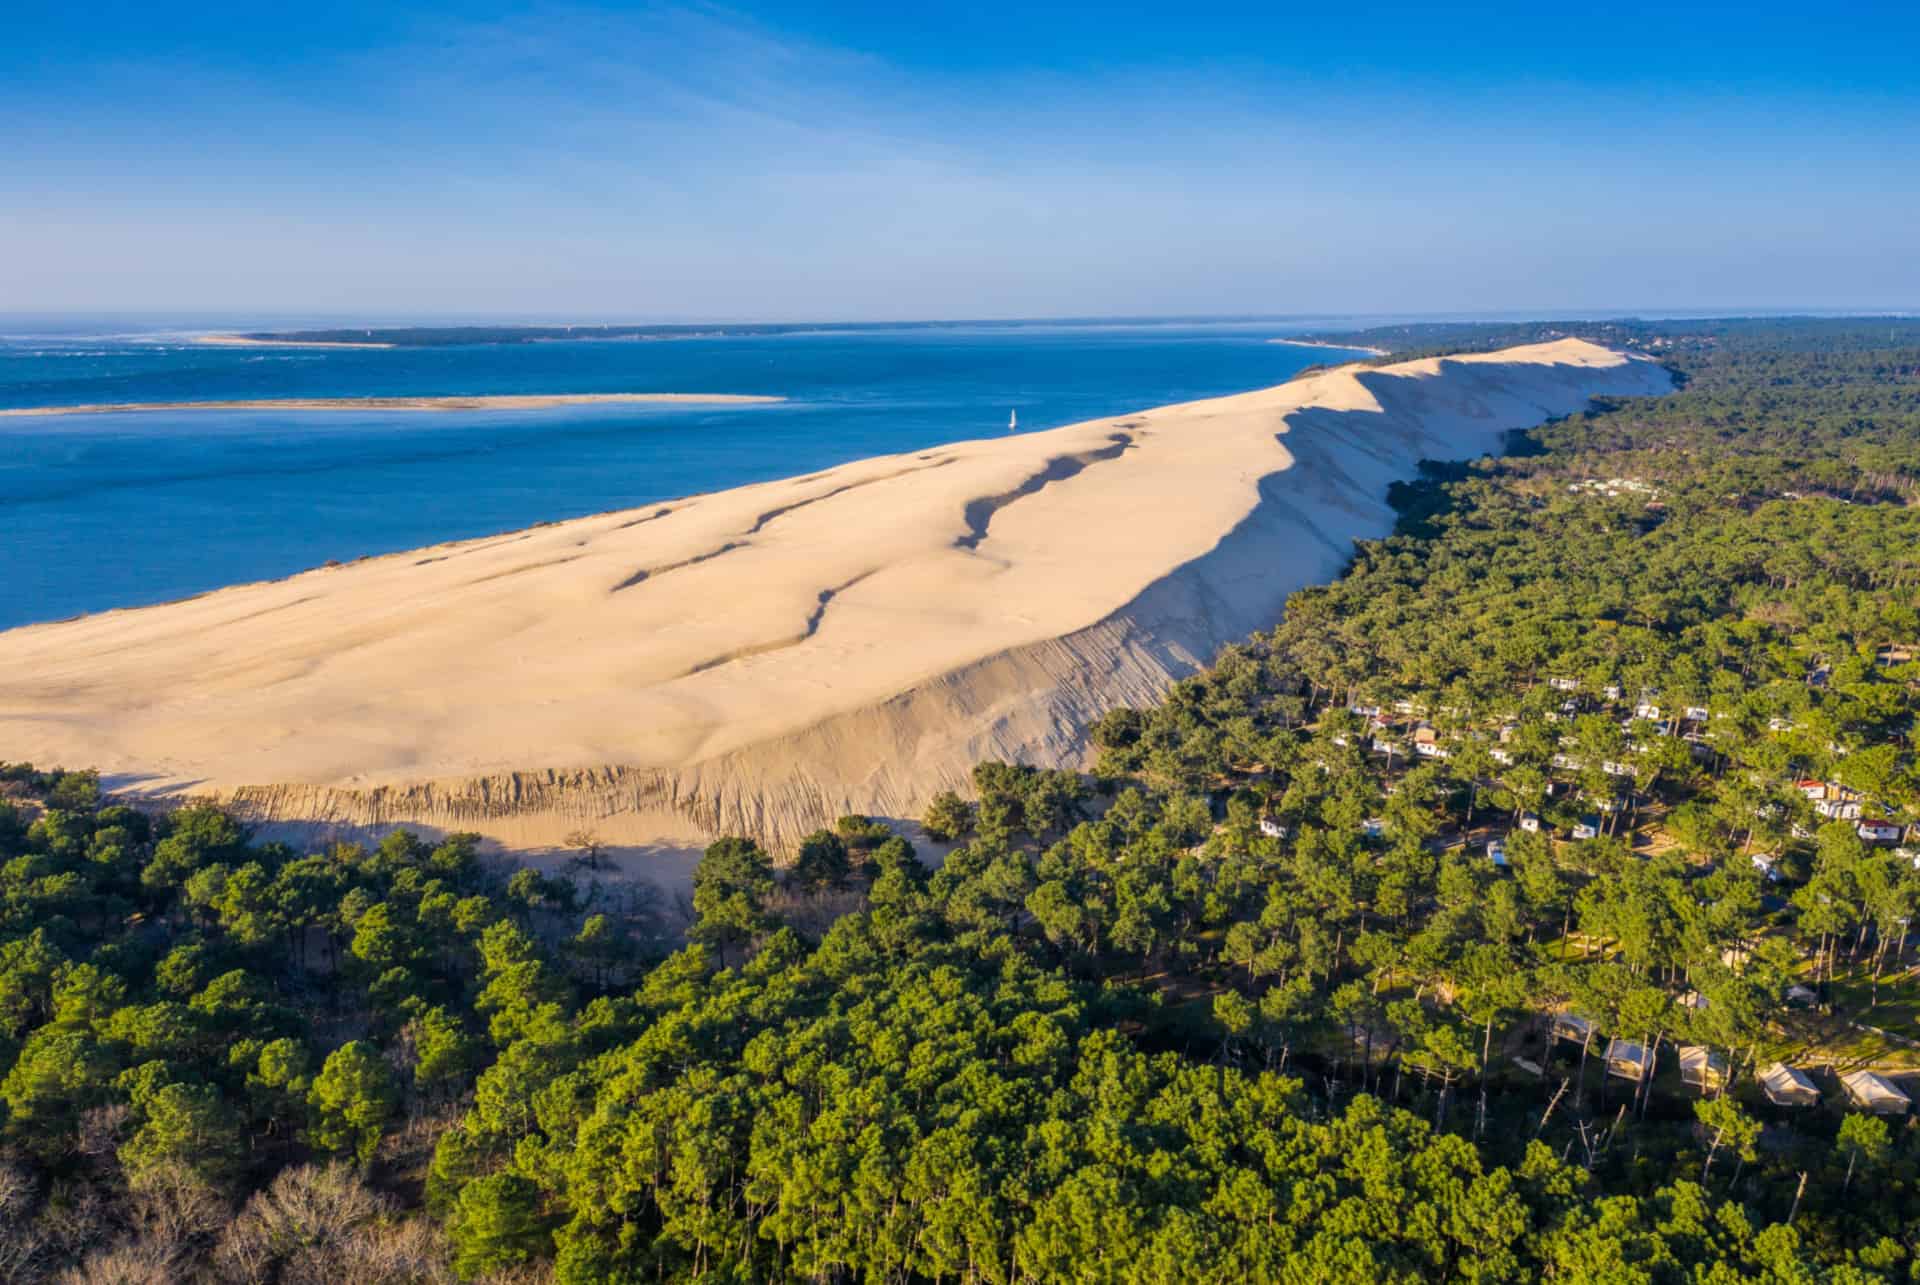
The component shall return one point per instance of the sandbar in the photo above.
(250, 341)
(1315, 343)
(518, 401)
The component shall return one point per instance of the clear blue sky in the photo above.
(843, 159)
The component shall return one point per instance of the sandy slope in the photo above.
(768, 657)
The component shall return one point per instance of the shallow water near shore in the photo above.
(115, 510)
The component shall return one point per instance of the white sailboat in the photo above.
(1013, 421)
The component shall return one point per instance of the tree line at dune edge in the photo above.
(1277, 992)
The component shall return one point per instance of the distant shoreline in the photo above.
(1315, 343)
(249, 341)
(526, 401)
(453, 335)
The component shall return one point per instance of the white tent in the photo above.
(1872, 1093)
(1787, 1087)
(1628, 1060)
(1701, 1066)
(1571, 1026)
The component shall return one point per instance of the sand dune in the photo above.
(765, 658)
(513, 401)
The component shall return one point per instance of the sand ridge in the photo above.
(765, 658)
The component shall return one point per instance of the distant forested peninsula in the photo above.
(1786, 338)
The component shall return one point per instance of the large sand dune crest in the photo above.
(766, 658)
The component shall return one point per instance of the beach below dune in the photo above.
(509, 402)
(765, 658)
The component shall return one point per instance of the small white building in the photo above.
(1272, 828)
(1587, 828)
(1503, 757)
(1647, 710)
(1874, 1093)
(1696, 713)
(1564, 684)
(1768, 864)
(1530, 823)
(1880, 831)
(1838, 809)
(1787, 1086)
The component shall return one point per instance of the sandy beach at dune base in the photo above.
(764, 659)
(515, 401)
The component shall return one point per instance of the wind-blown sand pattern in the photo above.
(510, 401)
(764, 659)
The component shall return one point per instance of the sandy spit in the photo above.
(518, 401)
(243, 341)
(764, 659)
(1315, 343)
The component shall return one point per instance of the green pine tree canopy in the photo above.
(1450, 931)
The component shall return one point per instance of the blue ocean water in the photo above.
(100, 511)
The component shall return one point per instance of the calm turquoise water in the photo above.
(119, 510)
